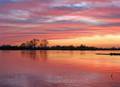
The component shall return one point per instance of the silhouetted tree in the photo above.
(36, 44)
(23, 45)
(32, 43)
(43, 43)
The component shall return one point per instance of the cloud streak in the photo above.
(79, 19)
(59, 18)
(88, 5)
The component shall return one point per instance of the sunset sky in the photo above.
(63, 22)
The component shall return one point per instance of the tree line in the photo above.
(36, 44)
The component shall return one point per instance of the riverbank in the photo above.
(112, 54)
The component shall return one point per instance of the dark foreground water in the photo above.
(59, 69)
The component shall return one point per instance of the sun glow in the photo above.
(97, 40)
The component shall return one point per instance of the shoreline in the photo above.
(111, 54)
(62, 49)
(65, 50)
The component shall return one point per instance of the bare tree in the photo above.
(32, 43)
(43, 43)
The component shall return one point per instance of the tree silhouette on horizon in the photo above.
(35, 43)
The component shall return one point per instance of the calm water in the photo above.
(59, 69)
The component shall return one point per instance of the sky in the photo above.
(62, 22)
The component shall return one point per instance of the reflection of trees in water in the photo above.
(111, 76)
(43, 55)
(82, 52)
(35, 55)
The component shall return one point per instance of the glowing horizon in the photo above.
(62, 22)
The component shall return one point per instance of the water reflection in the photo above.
(62, 69)
(35, 55)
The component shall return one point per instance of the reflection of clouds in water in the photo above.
(58, 71)
(84, 79)
(43, 55)
(77, 78)
(22, 80)
(53, 80)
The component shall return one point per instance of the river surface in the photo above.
(59, 69)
